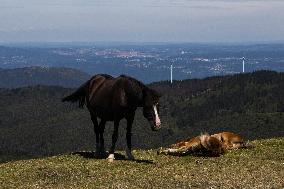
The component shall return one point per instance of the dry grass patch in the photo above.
(260, 167)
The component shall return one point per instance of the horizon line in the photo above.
(88, 43)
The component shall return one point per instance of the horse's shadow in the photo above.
(117, 156)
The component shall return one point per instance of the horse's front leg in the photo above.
(114, 139)
(128, 136)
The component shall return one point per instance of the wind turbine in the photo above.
(243, 64)
(171, 73)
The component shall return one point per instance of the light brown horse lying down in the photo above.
(231, 140)
(206, 145)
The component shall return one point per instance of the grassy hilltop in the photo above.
(35, 125)
(260, 167)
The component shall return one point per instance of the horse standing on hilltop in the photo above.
(112, 99)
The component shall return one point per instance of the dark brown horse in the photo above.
(112, 99)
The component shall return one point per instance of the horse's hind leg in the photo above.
(101, 134)
(175, 151)
(128, 136)
(96, 130)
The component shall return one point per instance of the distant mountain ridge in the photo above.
(29, 76)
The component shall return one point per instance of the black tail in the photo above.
(78, 95)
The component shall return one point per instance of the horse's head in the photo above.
(151, 108)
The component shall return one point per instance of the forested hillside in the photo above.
(34, 122)
(251, 104)
(20, 77)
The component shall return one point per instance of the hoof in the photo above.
(160, 151)
(129, 155)
(110, 158)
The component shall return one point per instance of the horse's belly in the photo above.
(103, 113)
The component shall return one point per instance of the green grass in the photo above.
(260, 167)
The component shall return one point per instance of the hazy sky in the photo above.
(141, 20)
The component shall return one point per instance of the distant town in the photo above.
(150, 62)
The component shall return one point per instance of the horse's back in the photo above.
(100, 87)
(106, 95)
(231, 137)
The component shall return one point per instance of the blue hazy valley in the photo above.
(150, 62)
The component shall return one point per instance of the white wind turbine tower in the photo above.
(243, 64)
(171, 73)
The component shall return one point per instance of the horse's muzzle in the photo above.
(154, 126)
